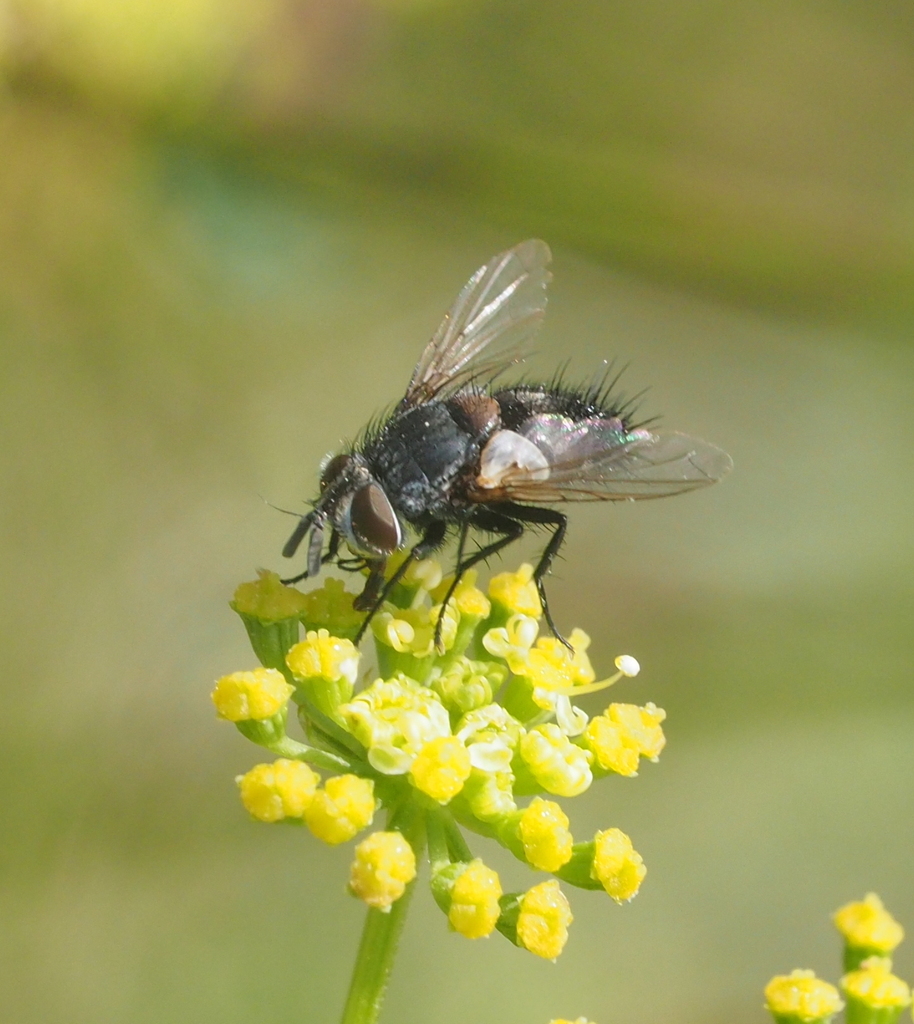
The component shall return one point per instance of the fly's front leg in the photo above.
(377, 589)
(544, 517)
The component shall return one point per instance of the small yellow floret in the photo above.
(868, 925)
(516, 592)
(322, 656)
(874, 985)
(617, 865)
(412, 630)
(383, 867)
(258, 695)
(283, 789)
(542, 924)
(801, 996)
(474, 907)
(580, 1020)
(341, 809)
(441, 768)
(543, 829)
(468, 599)
(330, 607)
(555, 762)
(268, 599)
(642, 727)
(608, 742)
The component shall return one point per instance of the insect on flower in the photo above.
(460, 453)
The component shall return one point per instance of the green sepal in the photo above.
(265, 732)
(442, 883)
(321, 728)
(272, 640)
(578, 871)
(510, 912)
(855, 955)
(858, 1012)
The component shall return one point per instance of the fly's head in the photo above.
(356, 507)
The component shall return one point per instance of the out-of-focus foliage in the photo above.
(761, 150)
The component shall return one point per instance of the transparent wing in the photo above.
(503, 302)
(595, 460)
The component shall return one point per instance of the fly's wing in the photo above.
(503, 302)
(597, 460)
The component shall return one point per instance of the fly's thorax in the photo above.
(359, 508)
(420, 456)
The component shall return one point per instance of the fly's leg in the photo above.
(544, 517)
(492, 522)
(376, 589)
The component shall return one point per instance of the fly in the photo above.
(460, 455)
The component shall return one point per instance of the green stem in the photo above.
(381, 936)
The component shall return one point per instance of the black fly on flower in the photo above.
(461, 454)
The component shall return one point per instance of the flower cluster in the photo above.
(469, 723)
(872, 994)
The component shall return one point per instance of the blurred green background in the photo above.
(226, 231)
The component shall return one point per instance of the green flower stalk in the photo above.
(478, 733)
(872, 993)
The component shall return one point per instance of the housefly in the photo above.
(461, 454)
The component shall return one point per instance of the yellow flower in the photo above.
(322, 656)
(466, 685)
(441, 767)
(258, 695)
(474, 901)
(542, 924)
(868, 925)
(268, 599)
(516, 592)
(801, 996)
(616, 865)
(512, 641)
(490, 795)
(330, 607)
(543, 829)
(412, 630)
(555, 762)
(383, 867)
(580, 1020)
(469, 600)
(874, 986)
(622, 734)
(490, 735)
(394, 719)
(607, 740)
(283, 789)
(341, 809)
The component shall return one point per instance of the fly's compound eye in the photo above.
(332, 469)
(374, 524)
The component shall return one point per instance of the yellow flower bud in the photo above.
(441, 767)
(259, 694)
(516, 592)
(383, 867)
(543, 829)
(868, 925)
(322, 656)
(641, 726)
(341, 809)
(542, 924)
(283, 789)
(874, 985)
(607, 741)
(474, 901)
(330, 607)
(555, 762)
(616, 864)
(802, 997)
(268, 599)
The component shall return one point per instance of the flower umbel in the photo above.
(470, 722)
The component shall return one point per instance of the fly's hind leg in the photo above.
(543, 517)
